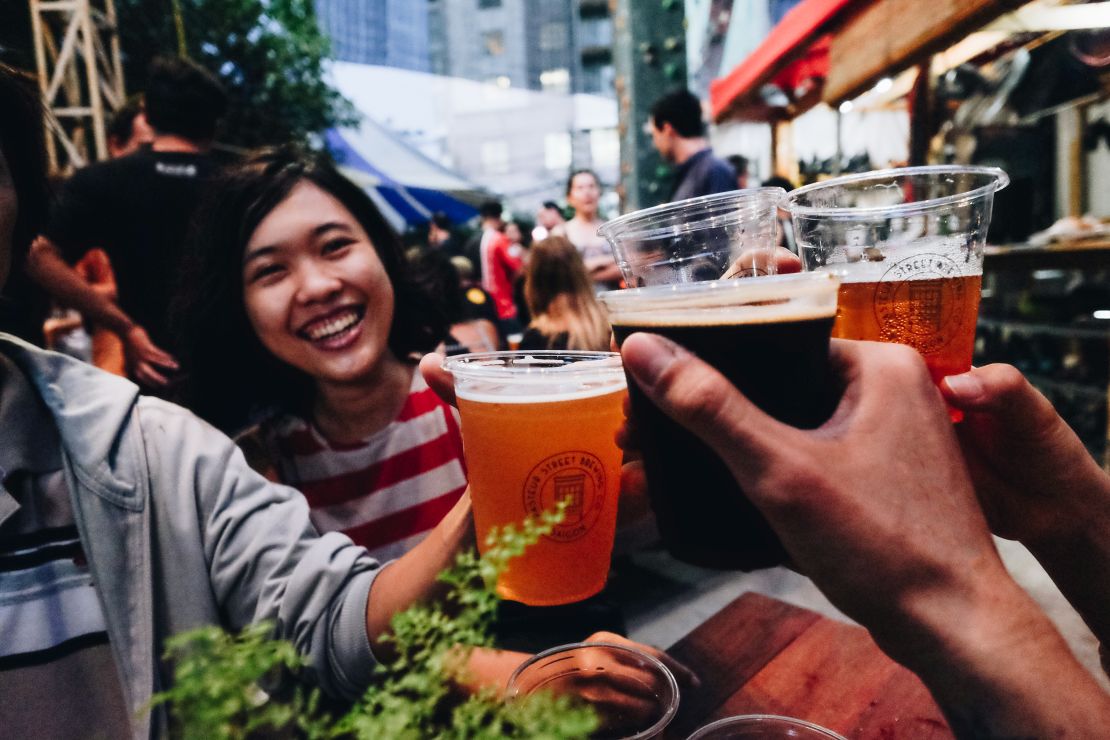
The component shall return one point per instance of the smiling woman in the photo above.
(299, 316)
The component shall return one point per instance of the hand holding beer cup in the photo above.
(877, 507)
(1034, 478)
(539, 432)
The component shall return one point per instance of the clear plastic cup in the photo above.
(725, 235)
(770, 337)
(633, 693)
(766, 726)
(908, 245)
(538, 429)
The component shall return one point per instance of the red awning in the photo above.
(795, 51)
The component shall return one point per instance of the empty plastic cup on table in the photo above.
(634, 694)
(766, 726)
(729, 235)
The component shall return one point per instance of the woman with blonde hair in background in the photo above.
(560, 296)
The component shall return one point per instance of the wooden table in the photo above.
(759, 655)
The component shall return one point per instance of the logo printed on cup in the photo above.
(577, 477)
(919, 302)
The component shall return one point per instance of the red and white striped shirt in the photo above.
(387, 491)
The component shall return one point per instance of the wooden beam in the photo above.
(892, 35)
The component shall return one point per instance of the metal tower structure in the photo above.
(78, 58)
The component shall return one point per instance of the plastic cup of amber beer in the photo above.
(539, 429)
(725, 235)
(908, 244)
(770, 337)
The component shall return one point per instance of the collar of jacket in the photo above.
(90, 407)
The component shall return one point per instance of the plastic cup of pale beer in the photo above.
(539, 428)
(729, 235)
(908, 245)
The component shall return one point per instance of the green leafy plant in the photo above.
(217, 694)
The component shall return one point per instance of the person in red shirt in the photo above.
(499, 264)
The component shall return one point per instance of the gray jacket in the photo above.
(179, 532)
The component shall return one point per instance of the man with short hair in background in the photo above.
(740, 166)
(549, 221)
(678, 133)
(137, 209)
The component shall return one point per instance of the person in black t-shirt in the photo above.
(137, 209)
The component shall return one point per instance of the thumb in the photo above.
(705, 402)
(438, 379)
(1001, 392)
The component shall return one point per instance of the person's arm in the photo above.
(1037, 483)
(412, 577)
(48, 268)
(877, 507)
(603, 269)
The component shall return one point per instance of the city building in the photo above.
(559, 46)
(391, 33)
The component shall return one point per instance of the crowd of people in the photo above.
(272, 301)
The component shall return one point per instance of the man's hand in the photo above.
(146, 362)
(1033, 476)
(877, 507)
(857, 501)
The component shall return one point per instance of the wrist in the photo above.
(982, 636)
(1079, 516)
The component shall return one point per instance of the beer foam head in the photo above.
(746, 300)
(535, 377)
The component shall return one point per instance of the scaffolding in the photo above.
(78, 58)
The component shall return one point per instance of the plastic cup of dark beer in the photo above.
(730, 235)
(908, 244)
(770, 337)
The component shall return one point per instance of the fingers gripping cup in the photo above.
(726, 235)
(770, 337)
(539, 428)
(908, 244)
(634, 694)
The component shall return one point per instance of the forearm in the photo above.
(489, 668)
(1077, 557)
(46, 266)
(998, 668)
(412, 577)
(604, 270)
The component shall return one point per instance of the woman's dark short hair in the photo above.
(230, 376)
(22, 306)
(22, 144)
(582, 171)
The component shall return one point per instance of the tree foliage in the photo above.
(269, 53)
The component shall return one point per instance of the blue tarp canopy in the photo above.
(407, 186)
